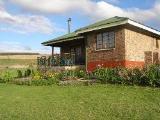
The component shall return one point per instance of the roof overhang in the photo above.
(144, 27)
(62, 40)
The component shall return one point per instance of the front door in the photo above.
(77, 53)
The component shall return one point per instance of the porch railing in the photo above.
(56, 60)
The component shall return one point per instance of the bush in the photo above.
(27, 73)
(6, 77)
(81, 74)
(19, 74)
(68, 75)
(1, 80)
(108, 75)
(22, 82)
(153, 75)
(44, 82)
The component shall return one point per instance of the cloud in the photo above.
(106, 10)
(112, 1)
(52, 6)
(96, 10)
(26, 23)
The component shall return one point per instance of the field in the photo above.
(98, 102)
(16, 63)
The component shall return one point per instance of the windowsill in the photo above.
(105, 49)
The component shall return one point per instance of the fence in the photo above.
(56, 60)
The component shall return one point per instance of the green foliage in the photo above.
(153, 75)
(1, 80)
(68, 75)
(144, 77)
(149, 76)
(6, 77)
(72, 74)
(108, 75)
(27, 73)
(19, 74)
(22, 82)
(44, 82)
(81, 73)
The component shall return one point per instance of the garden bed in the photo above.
(149, 76)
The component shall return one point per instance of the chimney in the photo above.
(69, 25)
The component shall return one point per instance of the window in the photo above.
(105, 40)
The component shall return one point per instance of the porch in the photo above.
(72, 54)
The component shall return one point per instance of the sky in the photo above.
(25, 24)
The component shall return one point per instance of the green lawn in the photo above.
(98, 102)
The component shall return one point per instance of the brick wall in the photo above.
(106, 58)
(141, 48)
(134, 48)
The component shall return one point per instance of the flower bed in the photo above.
(149, 76)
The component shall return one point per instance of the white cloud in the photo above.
(112, 1)
(97, 10)
(26, 23)
(53, 6)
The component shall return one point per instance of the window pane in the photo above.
(105, 40)
(111, 40)
(99, 41)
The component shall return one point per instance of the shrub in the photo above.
(89, 75)
(81, 74)
(7, 77)
(44, 82)
(134, 76)
(153, 74)
(19, 74)
(144, 77)
(1, 80)
(22, 82)
(68, 75)
(108, 75)
(27, 73)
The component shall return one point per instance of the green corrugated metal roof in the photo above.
(115, 21)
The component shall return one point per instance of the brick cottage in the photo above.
(113, 42)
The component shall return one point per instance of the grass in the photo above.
(99, 102)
